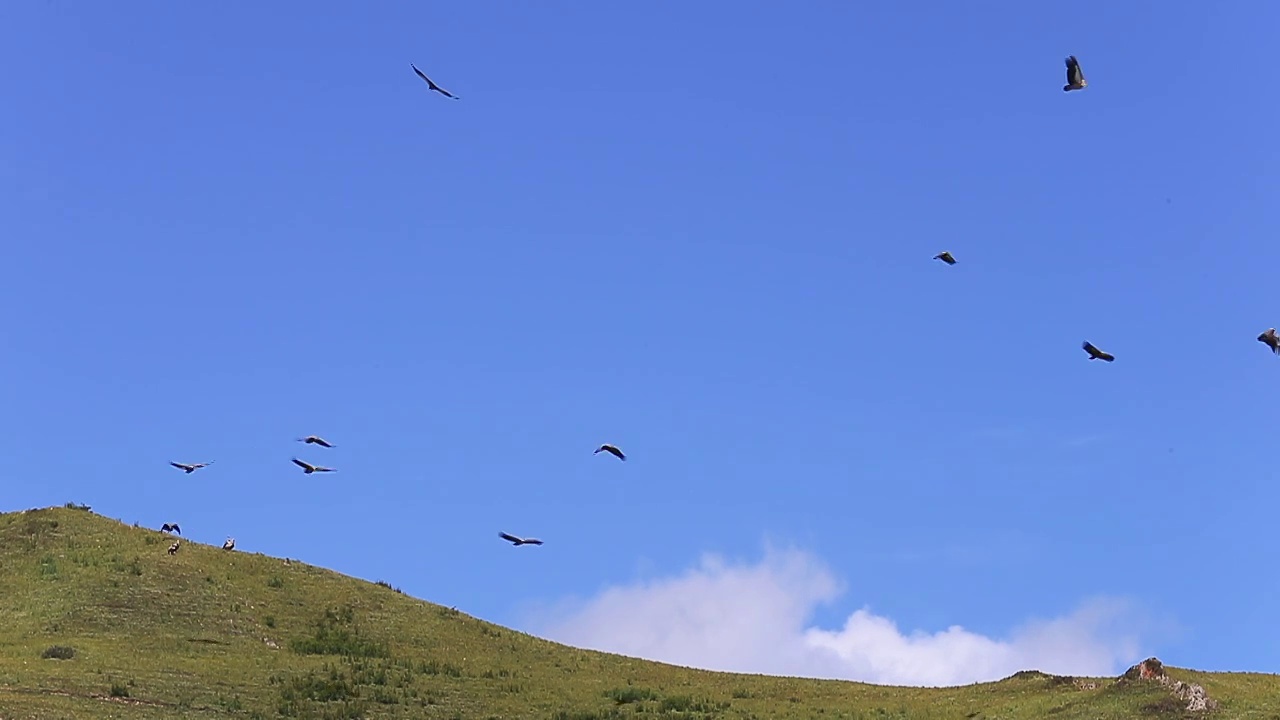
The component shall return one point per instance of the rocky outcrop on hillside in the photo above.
(1152, 669)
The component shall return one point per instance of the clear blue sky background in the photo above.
(701, 231)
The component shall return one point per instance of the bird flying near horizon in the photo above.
(308, 468)
(519, 540)
(431, 85)
(171, 527)
(1095, 353)
(612, 450)
(191, 467)
(1075, 76)
(315, 440)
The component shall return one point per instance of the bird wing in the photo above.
(1074, 74)
(180, 466)
(532, 541)
(425, 79)
(1089, 348)
(176, 528)
(302, 464)
(615, 451)
(509, 537)
(322, 442)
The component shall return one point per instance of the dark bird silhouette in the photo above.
(230, 544)
(612, 450)
(315, 440)
(167, 527)
(1095, 353)
(190, 468)
(945, 257)
(173, 549)
(518, 540)
(308, 468)
(1270, 339)
(1075, 76)
(431, 84)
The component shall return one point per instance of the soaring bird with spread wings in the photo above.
(1075, 76)
(431, 85)
(315, 440)
(1270, 339)
(192, 467)
(1095, 353)
(308, 468)
(519, 540)
(171, 527)
(612, 450)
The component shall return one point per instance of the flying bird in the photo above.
(1270, 339)
(1095, 353)
(945, 257)
(1075, 76)
(431, 84)
(612, 450)
(315, 440)
(192, 467)
(171, 528)
(230, 544)
(518, 540)
(308, 468)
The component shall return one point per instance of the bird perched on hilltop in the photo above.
(1095, 353)
(519, 540)
(230, 544)
(1270, 339)
(190, 468)
(171, 527)
(432, 85)
(1075, 76)
(612, 450)
(173, 549)
(315, 440)
(945, 257)
(308, 468)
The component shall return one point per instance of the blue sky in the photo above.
(701, 231)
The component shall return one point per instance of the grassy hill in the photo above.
(97, 620)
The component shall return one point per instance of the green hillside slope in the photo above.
(97, 620)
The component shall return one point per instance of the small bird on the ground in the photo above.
(1075, 76)
(173, 549)
(191, 467)
(431, 84)
(612, 450)
(230, 544)
(315, 440)
(1270, 339)
(308, 468)
(1095, 353)
(945, 257)
(519, 540)
(171, 527)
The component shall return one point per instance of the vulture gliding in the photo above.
(308, 468)
(1075, 76)
(1095, 353)
(612, 450)
(945, 257)
(519, 540)
(432, 85)
(190, 468)
(315, 440)
(1270, 339)
(171, 527)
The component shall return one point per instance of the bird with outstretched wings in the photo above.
(945, 257)
(308, 468)
(315, 440)
(612, 450)
(191, 467)
(1075, 76)
(519, 540)
(1270, 339)
(431, 85)
(1095, 353)
(171, 527)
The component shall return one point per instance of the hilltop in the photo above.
(97, 620)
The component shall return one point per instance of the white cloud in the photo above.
(755, 618)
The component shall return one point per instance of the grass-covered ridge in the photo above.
(98, 620)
